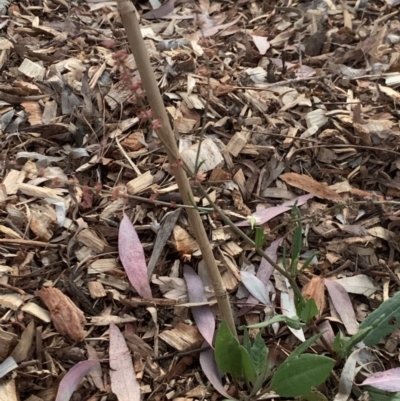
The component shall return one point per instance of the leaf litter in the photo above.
(303, 109)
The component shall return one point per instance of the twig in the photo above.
(345, 146)
(29, 243)
(133, 165)
(182, 353)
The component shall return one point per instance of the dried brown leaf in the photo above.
(310, 185)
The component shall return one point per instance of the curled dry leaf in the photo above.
(347, 377)
(132, 257)
(67, 318)
(70, 381)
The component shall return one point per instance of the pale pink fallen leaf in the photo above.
(360, 284)
(255, 287)
(202, 315)
(266, 269)
(210, 369)
(161, 11)
(70, 381)
(289, 309)
(123, 378)
(261, 43)
(264, 215)
(263, 273)
(389, 380)
(342, 303)
(212, 30)
(347, 377)
(95, 372)
(327, 332)
(132, 258)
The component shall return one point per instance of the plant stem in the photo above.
(166, 135)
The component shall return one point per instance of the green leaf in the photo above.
(284, 260)
(227, 352)
(259, 354)
(296, 376)
(383, 320)
(348, 343)
(309, 310)
(247, 365)
(260, 238)
(246, 340)
(313, 396)
(379, 395)
(303, 346)
(262, 377)
(337, 344)
(297, 243)
(292, 322)
(308, 261)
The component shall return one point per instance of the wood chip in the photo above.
(182, 337)
(96, 289)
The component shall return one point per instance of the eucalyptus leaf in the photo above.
(296, 376)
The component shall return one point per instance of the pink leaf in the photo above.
(95, 372)
(70, 381)
(255, 287)
(342, 303)
(161, 11)
(289, 309)
(123, 378)
(266, 269)
(202, 315)
(212, 30)
(210, 369)
(132, 257)
(389, 380)
(264, 215)
(263, 273)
